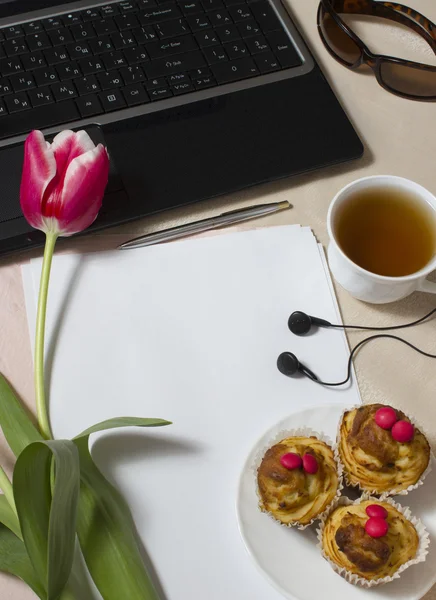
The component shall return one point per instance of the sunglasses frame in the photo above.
(388, 10)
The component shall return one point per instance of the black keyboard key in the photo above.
(145, 4)
(199, 22)
(91, 65)
(122, 40)
(33, 61)
(267, 62)
(83, 31)
(135, 55)
(33, 27)
(265, 16)
(184, 43)
(13, 32)
(132, 74)
(182, 88)
(146, 34)
(39, 118)
(68, 71)
(204, 82)
(55, 56)
(71, 19)
(229, 33)
(160, 93)
(38, 41)
(200, 73)
(60, 37)
(283, 49)
(126, 6)
(21, 82)
(236, 50)
(5, 87)
(89, 106)
(109, 10)
(191, 7)
(2, 35)
(219, 18)
(225, 72)
(153, 84)
(79, 50)
(159, 14)
(215, 55)
(111, 80)
(233, 2)
(207, 38)
(105, 26)
(17, 103)
(257, 44)
(128, 21)
(113, 60)
(135, 94)
(174, 64)
(41, 97)
(249, 28)
(87, 85)
(172, 28)
(2, 52)
(45, 75)
(64, 90)
(178, 78)
(9, 66)
(112, 100)
(90, 14)
(212, 4)
(3, 110)
(15, 47)
(240, 13)
(101, 44)
(52, 23)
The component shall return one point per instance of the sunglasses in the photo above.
(405, 78)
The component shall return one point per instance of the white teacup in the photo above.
(363, 284)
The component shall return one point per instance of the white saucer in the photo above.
(289, 558)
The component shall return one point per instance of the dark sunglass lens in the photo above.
(409, 80)
(338, 40)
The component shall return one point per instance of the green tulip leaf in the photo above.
(106, 530)
(122, 422)
(17, 426)
(15, 560)
(48, 518)
(8, 517)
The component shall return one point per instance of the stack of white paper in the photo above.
(189, 332)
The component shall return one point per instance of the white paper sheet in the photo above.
(189, 332)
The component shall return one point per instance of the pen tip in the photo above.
(285, 204)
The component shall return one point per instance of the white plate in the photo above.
(289, 558)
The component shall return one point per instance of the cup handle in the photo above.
(427, 286)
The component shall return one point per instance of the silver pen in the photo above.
(223, 220)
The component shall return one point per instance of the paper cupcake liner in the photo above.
(394, 492)
(300, 432)
(421, 553)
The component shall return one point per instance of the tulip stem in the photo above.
(41, 404)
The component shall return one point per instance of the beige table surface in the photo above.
(400, 139)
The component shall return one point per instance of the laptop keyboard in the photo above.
(86, 63)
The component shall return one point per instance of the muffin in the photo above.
(298, 480)
(381, 450)
(370, 541)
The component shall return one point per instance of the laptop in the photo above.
(193, 99)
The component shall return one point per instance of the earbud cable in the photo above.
(424, 318)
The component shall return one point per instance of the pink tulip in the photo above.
(63, 183)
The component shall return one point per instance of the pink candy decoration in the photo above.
(291, 461)
(377, 511)
(403, 431)
(310, 464)
(376, 527)
(386, 417)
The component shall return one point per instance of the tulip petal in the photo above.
(39, 169)
(83, 190)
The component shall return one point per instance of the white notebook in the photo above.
(189, 332)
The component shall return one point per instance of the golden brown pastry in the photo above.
(372, 458)
(297, 493)
(346, 542)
